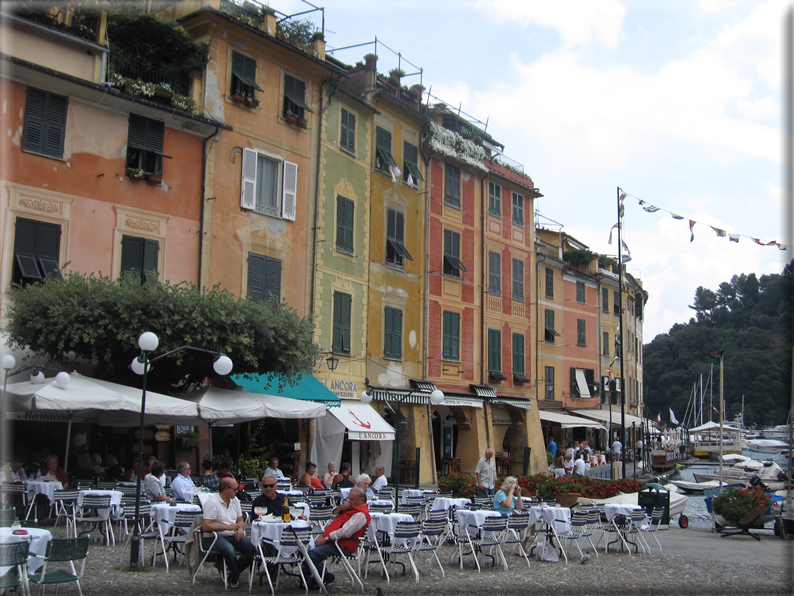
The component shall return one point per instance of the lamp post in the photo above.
(141, 365)
(436, 398)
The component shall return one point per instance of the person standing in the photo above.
(579, 465)
(639, 446)
(486, 474)
(617, 449)
(552, 448)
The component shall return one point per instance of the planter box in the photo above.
(154, 178)
(568, 499)
(186, 442)
(134, 176)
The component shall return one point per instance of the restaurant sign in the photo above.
(342, 389)
(369, 436)
(49, 417)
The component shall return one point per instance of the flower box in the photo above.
(238, 98)
(136, 174)
(154, 178)
(291, 118)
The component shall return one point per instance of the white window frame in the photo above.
(287, 184)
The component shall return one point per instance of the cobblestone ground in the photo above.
(613, 574)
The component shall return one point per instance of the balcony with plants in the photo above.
(82, 19)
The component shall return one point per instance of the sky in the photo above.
(676, 102)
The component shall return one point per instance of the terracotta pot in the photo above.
(188, 442)
(131, 174)
(291, 119)
(154, 178)
(238, 98)
(568, 499)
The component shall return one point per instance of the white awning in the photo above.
(603, 415)
(362, 421)
(568, 421)
(711, 426)
(581, 383)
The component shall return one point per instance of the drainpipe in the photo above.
(204, 155)
(483, 298)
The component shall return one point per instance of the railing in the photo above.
(503, 159)
(180, 85)
(252, 10)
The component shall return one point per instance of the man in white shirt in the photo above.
(182, 485)
(578, 466)
(380, 480)
(617, 449)
(13, 471)
(274, 471)
(222, 515)
(639, 445)
(486, 474)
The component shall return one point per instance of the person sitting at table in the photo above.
(222, 515)
(508, 497)
(309, 477)
(224, 471)
(85, 469)
(99, 469)
(568, 465)
(182, 484)
(53, 473)
(152, 486)
(343, 480)
(270, 500)
(131, 473)
(114, 470)
(328, 477)
(13, 471)
(362, 481)
(380, 481)
(559, 466)
(349, 524)
(274, 471)
(209, 477)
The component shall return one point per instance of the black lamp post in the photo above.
(141, 365)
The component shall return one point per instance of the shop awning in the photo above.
(308, 388)
(567, 421)
(516, 402)
(362, 421)
(581, 384)
(603, 415)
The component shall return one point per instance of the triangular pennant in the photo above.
(733, 237)
(758, 242)
(677, 216)
(720, 233)
(641, 201)
(691, 230)
(625, 247)
(651, 209)
(780, 246)
(622, 196)
(617, 225)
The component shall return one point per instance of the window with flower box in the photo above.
(145, 147)
(244, 77)
(295, 99)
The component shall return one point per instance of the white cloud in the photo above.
(758, 108)
(578, 22)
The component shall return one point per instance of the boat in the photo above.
(662, 459)
(707, 442)
(766, 446)
(769, 475)
(677, 501)
(699, 487)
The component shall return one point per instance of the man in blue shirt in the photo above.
(552, 448)
(182, 485)
(274, 471)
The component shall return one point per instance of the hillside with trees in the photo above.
(751, 320)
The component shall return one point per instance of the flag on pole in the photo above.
(651, 209)
(659, 417)
(617, 225)
(716, 411)
(672, 417)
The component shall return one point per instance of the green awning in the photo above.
(308, 388)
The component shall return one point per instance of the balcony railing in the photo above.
(178, 84)
(252, 10)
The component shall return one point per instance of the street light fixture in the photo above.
(142, 365)
(436, 398)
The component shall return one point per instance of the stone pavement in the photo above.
(692, 562)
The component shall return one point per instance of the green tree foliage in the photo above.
(99, 320)
(750, 319)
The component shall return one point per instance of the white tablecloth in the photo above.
(613, 509)
(412, 492)
(273, 531)
(38, 545)
(559, 516)
(115, 499)
(42, 487)
(381, 502)
(444, 503)
(165, 514)
(386, 522)
(474, 518)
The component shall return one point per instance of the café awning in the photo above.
(568, 421)
(307, 389)
(362, 421)
(603, 416)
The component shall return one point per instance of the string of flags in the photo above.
(648, 208)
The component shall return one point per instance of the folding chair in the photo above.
(106, 485)
(653, 525)
(345, 558)
(638, 520)
(414, 510)
(405, 539)
(432, 529)
(207, 553)
(489, 536)
(319, 517)
(62, 550)
(517, 525)
(91, 512)
(380, 507)
(16, 495)
(386, 493)
(145, 531)
(579, 530)
(288, 554)
(484, 502)
(616, 526)
(177, 534)
(246, 508)
(15, 555)
(63, 504)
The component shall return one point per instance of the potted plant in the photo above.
(154, 177)
(462, 485)
(291, 118)
(163, 91)
(238, 97)
(136, 173)
(251, 101)
(303, 123)
(740, 507)
(189, 439)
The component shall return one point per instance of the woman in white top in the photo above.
(568, 464)
(328, 478)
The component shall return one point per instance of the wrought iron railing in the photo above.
(178, 84)
(252, 10)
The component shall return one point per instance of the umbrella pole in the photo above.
(68, 441)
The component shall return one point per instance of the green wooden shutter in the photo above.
(581, 332)
(289, 198)
(518, 354)
(451, 339)
(249, 71)
(237, 65)
(55, 125)
(137, 132)
(494, 350)
(518, 279)
(35, 110)
(345, 223)
(256, 276)
(341, 323)
(45, 122)
(347, 134)
(494, 273)
(150, 250)
(25, 249)
(132, 256)
(346, 315)
(272, 286)
(392, 334)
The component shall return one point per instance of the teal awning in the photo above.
(308, 388)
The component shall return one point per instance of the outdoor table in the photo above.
(474, 518)
(612, 511)
(412, 492)
(42, 487)
(115, 499)
(273, 531)
(557, 517)
(385, 522)
(445, 503)
(165, 514)
(382, 502)
(39, 539)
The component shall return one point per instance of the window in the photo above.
(139, 258)
(605, 344)
(550, 332)
(244, 76)
(605, 300)
(264, 278)
(616, 305)
(518, 280)
(451, 185)
(638, 309)
(549, 376)
(583, 383)
(494, 199)
(345, 222)
(451, 339)
(518, 209)
(580, 292)
(411, 171)
(494, 350)
(494, 273)
(269, 185)
(581, 333)
(383, 157)
(392, 333)
(341, 334)
(295, 97)
(518, 354)
(549, 282)
(452, 263)
(145, 145)
(37, 249)
(45, 123)
(347, 133)
(395, 239)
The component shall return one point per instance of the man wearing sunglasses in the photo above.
(222, 514)
(269, 499)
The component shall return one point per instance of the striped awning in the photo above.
(402, 395)
(466, 400)
(516, 402)
(484, 391)
(423, 386)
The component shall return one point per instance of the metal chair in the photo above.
(386, 493)
(7, 517)
(414, 510)
(380, 507)
(62, 550)
(517, 525)
(246, 508)
(91, 512)
(106, 485)
(653, 526)
(145, 531)
(433, 534)
(404, 541)
(489, 536)
(345, 557)
(15, 555)
(15, 494)
(63, 504)
(177, 535)
(633, 528)
(319, 517)
(289, 553)
(579, 530)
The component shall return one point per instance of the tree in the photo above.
(98, 320)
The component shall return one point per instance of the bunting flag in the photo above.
(691, 230)
(733, 238)
(651, 208)
(716, 411)
(677, 216)
(621, 210)
(720, 233)
(622, 196)
(625, 247)
(780, 246)
(672, 417)
(659, 417)
(617, 225)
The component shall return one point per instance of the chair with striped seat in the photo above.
(94, 510)
(289, 553)
(62, 550)
(15, 555)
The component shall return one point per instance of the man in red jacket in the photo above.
(350, 523)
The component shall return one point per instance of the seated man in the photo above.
(152, 486)
(13, 471)
(310, 478)
(222, 514)
(209, 477)
(350, 524)
(274, 471)
(269, 499)
(182, 484)
(380, 481)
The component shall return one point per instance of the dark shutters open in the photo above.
(37, 247)
(45, 123)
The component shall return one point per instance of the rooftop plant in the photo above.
(578, 257)
(449, 143)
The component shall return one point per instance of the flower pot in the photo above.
(131, 173)
(163, 94)
(252, 104)
(568, 499)
(186, 442)
(291, 119)
(753, 515)
(154, 178)
(238, 98)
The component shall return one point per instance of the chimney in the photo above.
(318, 44)
(270, 20)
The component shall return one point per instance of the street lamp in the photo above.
(436, 398)
(142, 365)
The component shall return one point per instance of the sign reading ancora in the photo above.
(342, 389)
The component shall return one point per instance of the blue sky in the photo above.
(677, 102)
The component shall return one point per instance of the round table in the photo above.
(42, 487)
(474, 518)
(559, 516)
(165, 514)
(385, 522)
(444, 503)
(613, 509)
(39, 539)
(273, 531)
(115, 499)
(412, 492)
(382, 503)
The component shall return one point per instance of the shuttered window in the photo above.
(268, 185)
(264, 278)
(345, 223)
(295, 97)
(550, 333)
(549, 282)
(347, 132)
(581, 332)
(37, 249)
(244, 75)
(549, 377)
(605, 300)
(518, 209)
(451, 339)
(580, 292)
(494, 273)
(451, 185)
(452, 263)
(145, 145)
(518, 354)
(494, 350)
(392, 333)
(139, 258)
(616, 304)
(411, 173)
(44, 128)
(395, 239)
(494, 199)
(518, 280)
(605, 343)
(341, 331)
(383, 156)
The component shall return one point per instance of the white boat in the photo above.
(766, 445)
(769, 475)
(706, 440)
(699, 487)
(677, 501)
